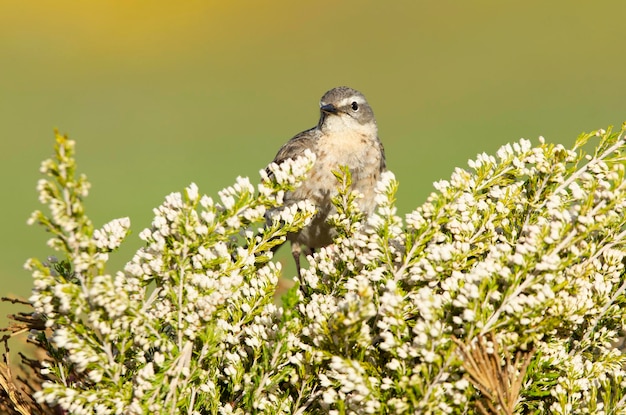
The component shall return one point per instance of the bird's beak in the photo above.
(329, 109)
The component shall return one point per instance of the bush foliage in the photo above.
(503, 293)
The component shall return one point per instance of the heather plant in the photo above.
(502, 294)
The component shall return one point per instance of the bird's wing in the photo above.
(297, 145)
(383, 162)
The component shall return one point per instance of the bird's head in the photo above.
(346, 108)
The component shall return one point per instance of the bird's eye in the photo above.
(355, 106)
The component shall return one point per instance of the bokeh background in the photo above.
(159, 94)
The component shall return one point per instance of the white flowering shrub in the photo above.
(520, 255)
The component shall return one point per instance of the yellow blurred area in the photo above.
(104, 34)
(159, 94)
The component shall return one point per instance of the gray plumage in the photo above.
(346, 135)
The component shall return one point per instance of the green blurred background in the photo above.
(159, 94)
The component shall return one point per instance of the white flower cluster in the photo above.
(112, 234)
(189, 319)
(527, 247)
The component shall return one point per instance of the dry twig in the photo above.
(16, 392)
(499, 382)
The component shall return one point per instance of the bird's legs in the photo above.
(296, 251)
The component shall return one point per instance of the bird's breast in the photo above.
(362, 154)
(359, 152)
(352, 149)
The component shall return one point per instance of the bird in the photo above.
(345, 135)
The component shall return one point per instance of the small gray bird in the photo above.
(346, 135)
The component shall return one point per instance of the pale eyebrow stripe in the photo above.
(350, 100)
